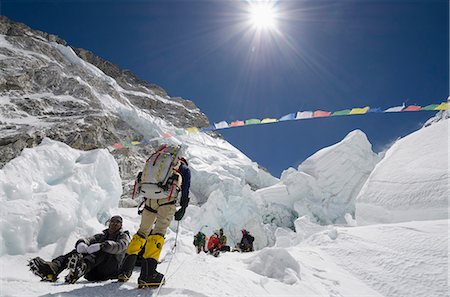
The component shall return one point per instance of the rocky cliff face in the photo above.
(48, 89)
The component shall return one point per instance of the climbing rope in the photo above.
(172, 251)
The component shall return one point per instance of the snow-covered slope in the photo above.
(397, 260)
(326, 184)
(411, 182)
(49, 89)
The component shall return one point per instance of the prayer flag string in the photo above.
(300, 115)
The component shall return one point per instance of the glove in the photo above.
(93, 248)
(106, 245)
(82, 248)
(180, 213)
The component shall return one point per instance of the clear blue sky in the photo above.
(328, 55)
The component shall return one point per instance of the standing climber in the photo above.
(160, 190)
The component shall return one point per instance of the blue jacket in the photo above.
(186, 175)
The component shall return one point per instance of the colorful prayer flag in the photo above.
(252, 121)
(167, 135)
(442, 106)
(192, 130)
(304, 115)
(208, 129)
(268, 120)
(221, 125)
(412, 108)
(237, 123)
(395, 109)
(288, 117)
(360, 110)
(375, 109)
(180, 132)
(117, 146)
(341, 112)
(321, 113)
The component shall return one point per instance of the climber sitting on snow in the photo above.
(200, 241)
(223, 242)
(214, 244)
(246, 244)
(217, 243)
(97, 258)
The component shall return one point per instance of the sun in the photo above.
(263, 15)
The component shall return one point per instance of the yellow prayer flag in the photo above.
(135, 142)
(192, 129)
(442, 106)
(268, 120)
(359, 110)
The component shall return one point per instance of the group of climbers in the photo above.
(112, 254)
(217, 242)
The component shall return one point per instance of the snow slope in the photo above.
(411, 182)
(326, 184)
(405, 259)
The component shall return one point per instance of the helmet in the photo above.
(244, 232)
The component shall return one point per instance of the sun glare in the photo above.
(263, 16)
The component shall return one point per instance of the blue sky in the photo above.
(328, 55)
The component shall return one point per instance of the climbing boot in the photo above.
(47, 271)
(127, 268)
(77, 268)
(149, 276)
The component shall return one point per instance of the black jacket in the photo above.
(186, 176)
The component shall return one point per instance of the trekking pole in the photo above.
(176, 237)
(168, 265)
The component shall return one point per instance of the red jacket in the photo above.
(213, 242)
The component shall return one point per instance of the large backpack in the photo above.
(160, 178)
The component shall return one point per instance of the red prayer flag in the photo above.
(412, 108)
(321, 113)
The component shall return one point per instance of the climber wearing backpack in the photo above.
(165, 174)
(246, 244)
(200, 241)
(97, 258)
